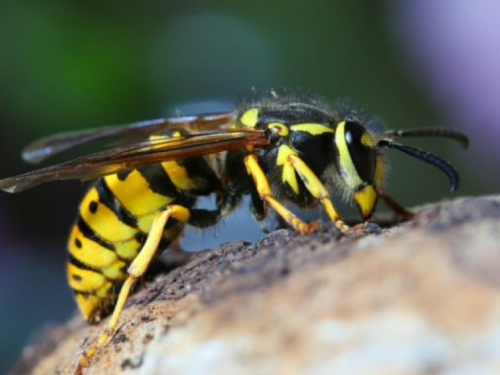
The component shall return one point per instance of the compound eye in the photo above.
(362, 154)
(353, 133)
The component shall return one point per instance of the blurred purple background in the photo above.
(455, 48)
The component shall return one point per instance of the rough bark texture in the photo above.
(422, 297)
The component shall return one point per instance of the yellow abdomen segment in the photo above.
(114, 219)
(135, 194)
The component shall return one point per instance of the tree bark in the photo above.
(421, 297)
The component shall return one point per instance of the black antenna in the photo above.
(418, 153)
(430, 132)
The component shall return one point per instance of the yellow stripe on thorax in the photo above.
(312, 128)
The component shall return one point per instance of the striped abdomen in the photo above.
(114, 219)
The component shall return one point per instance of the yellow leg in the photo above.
(265, 194)
(317, 189)
(136, 270)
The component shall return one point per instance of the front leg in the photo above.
(264, 190)
(293, 163)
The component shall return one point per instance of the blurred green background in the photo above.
(70, 65)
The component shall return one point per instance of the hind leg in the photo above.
(137, 269)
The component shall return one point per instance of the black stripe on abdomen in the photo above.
(107, 198)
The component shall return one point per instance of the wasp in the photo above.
(279, 148)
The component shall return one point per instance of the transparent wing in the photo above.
(47, 147)
(139, 154)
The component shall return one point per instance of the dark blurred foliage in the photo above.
(69, 65)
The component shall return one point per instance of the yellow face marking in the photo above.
(288, 174)
(365, 199)
(347, 168)
(250, 117)
(102, 220)
(312, 128)
(282, 129)
(135, 194)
